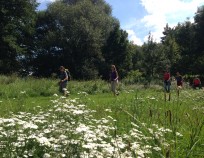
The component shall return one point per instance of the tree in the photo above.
(136, 56)
(199, 28)
(185, 38)
(76, 32)
(171, 48)
(17, 18)
(44, 58)
(153, 58)
(199, 40)
(117, 51)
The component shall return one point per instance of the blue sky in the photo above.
(139, 17)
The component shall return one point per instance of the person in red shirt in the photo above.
(167, 83)
(197, 83)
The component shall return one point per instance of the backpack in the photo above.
(68, 74)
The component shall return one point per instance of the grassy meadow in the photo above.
(36, 121)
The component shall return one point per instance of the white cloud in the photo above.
(161, 12)
(132, 37)
(45, 1)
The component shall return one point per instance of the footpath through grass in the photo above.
(143, 124)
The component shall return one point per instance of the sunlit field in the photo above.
(36, 121)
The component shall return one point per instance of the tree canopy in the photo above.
(83, 36)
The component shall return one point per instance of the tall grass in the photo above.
(13, 86)
(141, 119)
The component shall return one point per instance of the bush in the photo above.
(133, 77)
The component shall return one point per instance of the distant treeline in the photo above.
(83, 36)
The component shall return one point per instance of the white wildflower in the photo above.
(179, 134)
(47, 131)
(150, 130)
(89, 146)
(108, 110)
(104, 120)
(63, 155)
(58, 109)
(140, 153)
(30, 125)
(43, 141)
(46, 155)
(32, 136)
(82, 128)
(133, 124)
(109, 150)
(121, 145)
(135, 146)
(11, 124)
(6, 121)
(81, 105)
(73, 100)
(62, 137)
(78, 112)
(157, 148)
(54, 101)
(65, 106)
(110, 117)
(55, 95)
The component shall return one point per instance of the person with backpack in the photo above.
(68, 73)
(63, 80)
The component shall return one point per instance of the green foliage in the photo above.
(133, 77)
(73, 36)
(153, 59)
(117, 52)
(185, 38)
(83, 36)
(199, 29)
(17, 18)
(14, 87)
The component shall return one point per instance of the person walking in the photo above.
(167, 84)
(197, 83)
(179, 82)
(63, 80)
(114, 79)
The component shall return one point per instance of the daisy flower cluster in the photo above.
(68, 129)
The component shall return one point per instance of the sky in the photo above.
(141, 17)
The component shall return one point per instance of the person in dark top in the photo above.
(179, 79)
(179, 82)
(167, 82)
(197, 83)
(114, 79)
(63, 81)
